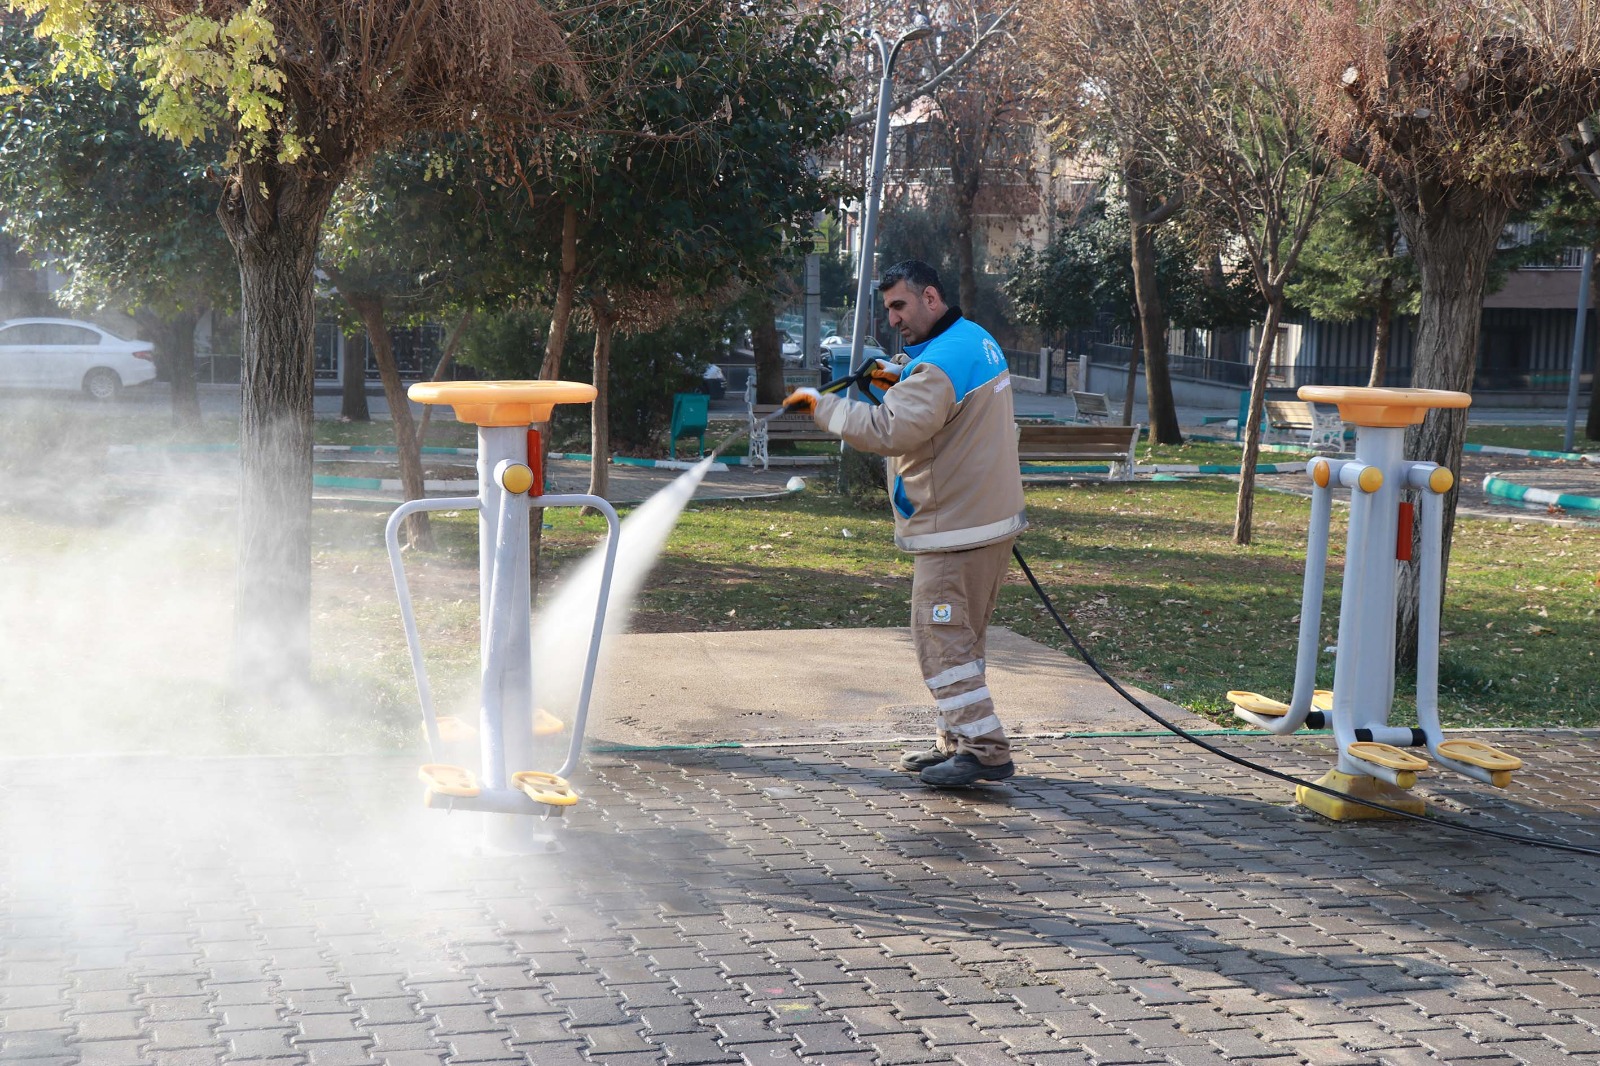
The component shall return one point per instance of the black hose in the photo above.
(1460, 827)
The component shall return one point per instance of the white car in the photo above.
(789, 353)
(59, 353)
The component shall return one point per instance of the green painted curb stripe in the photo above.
(324, 481)
(1510, 490)
(1535, 453)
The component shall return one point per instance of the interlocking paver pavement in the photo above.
(1123, 900)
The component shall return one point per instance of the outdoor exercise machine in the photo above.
(510, 452)
(1373, 761)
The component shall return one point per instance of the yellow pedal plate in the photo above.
(453, 730)
(546, 724)
(1385, 755)
(544, 788)
(1322, 699)
(1256, 703)
(1477, 753)
(448, 780)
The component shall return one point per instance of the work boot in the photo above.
(917, 761)
(963, 770)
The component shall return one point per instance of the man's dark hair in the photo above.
(916, 274)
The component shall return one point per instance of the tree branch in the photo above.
(863, 118)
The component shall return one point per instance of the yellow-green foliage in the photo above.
(201, 74)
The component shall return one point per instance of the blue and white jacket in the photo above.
(949, 431)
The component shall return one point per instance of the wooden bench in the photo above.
(795, 425)
(1112, 444)
(1301, 422)
(1092, 407)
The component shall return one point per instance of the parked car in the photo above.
(715, 381)
(59, 353)
(790, 349)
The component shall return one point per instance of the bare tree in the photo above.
(1106, 67)
(1457, 107)
(981, 124)
(1245, 138)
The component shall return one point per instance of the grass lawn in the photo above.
(1535, 438)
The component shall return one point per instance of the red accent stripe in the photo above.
(1402, 544)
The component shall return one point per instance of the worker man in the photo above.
(946, 423)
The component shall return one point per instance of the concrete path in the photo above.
(1123, 900)
(836, 685)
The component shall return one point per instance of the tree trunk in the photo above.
(180, 362)
(555, 346)
(1591, 427)
(1163, 413)
(1452, 236)
(966, 255)
(1245, 506)
(445, 359)
(275, 241)
(353, 386)
(1380, 340)
(605, 323)
(419, 534)
(768, 349)
(1133, 373)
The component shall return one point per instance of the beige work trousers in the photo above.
(952, 596)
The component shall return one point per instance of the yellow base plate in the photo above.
(545, 788)
(448, 780)
(1256, 703)
(1357, 787)
(1322, 699)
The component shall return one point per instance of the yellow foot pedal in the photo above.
(545, 788)
(1405, 764)
(448, 780)
(1322, 699)
(453, 730)
(1486, 756)
(1385, 755)
(1256, 703)
(546, 724)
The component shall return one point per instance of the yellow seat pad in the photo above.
(546, 724)
(1477, 753)
(1322, 699)
(1385, 755)
(545, 788)
(448, 780)
(1256, 703)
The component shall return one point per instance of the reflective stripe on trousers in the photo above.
(953, 595)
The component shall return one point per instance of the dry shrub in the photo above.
(1451, 91)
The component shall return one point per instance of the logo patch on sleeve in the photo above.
(942, 614)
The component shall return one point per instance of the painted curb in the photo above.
(1533, 453)
(1495, 485)
(1169, 468)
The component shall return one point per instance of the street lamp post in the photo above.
(887, 54)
